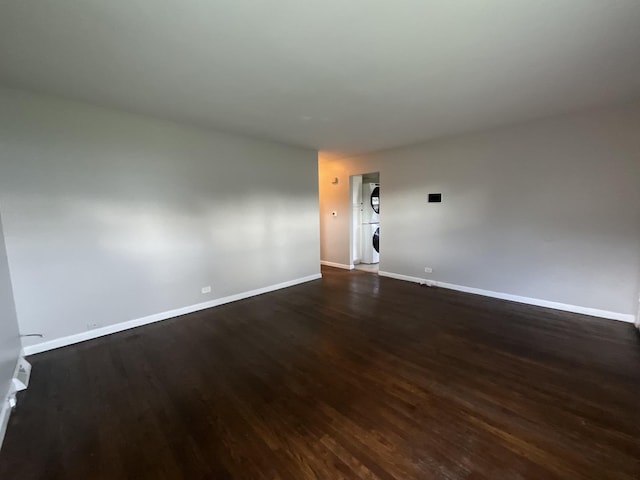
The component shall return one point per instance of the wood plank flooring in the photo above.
(348, 377)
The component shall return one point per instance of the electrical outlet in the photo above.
(428, 270)
(206, 289)
(93, 325)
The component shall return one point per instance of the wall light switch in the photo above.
(206, 289)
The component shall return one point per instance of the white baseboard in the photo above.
(5, 413)
(7, 402)
(594, 312)
(337, 265)
(398, 276)
(118, 327)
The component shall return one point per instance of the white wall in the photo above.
(547, 210)
(356, 219)
(111, 217)
(9, 335)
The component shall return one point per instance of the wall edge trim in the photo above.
(157, 317)
(594, 312)
(336, 265)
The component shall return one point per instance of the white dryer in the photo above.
(370, 202)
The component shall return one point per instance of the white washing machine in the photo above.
(370, 243)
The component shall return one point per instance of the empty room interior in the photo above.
(320, 239)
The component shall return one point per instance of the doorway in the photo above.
(365, 221)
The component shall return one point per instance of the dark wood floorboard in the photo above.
(352, 376)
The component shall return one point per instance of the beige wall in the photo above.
(335, 231)
(110, 217)
(545, 210)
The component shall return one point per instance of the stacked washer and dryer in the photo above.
(370, 223)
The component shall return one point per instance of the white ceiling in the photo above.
(336, 75)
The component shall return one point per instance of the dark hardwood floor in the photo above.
(353, 376)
